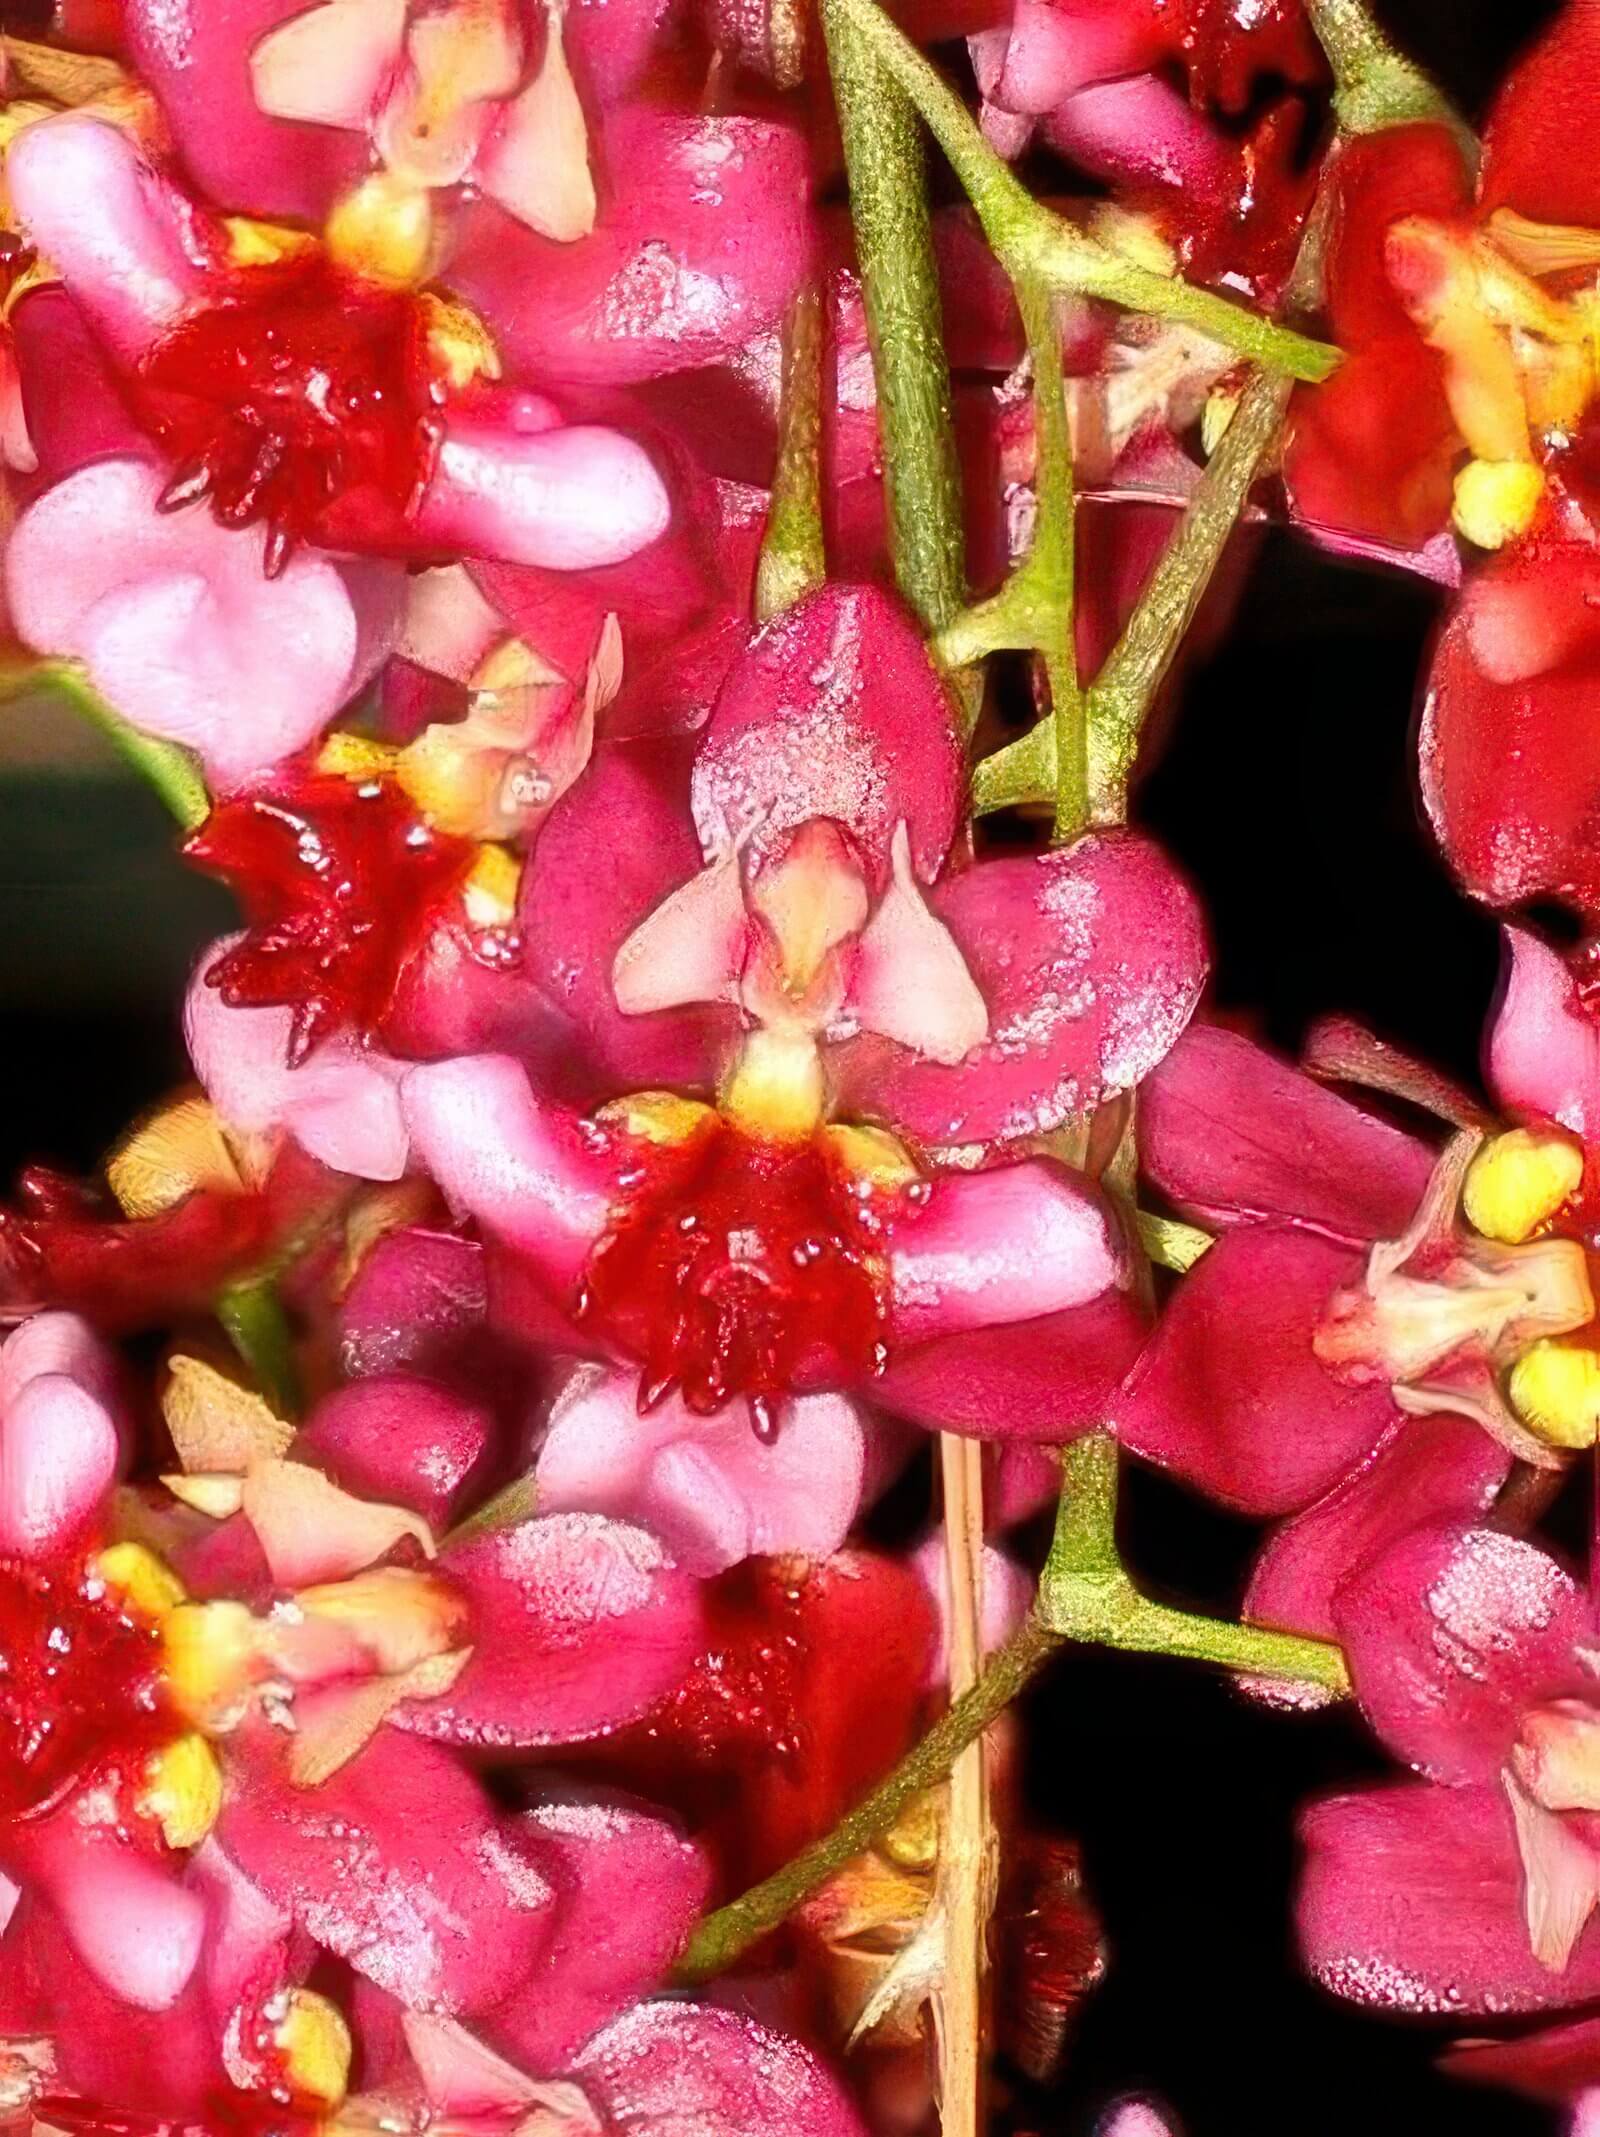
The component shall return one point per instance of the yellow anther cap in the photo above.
(383, 231)
(1519, 1181)
(316, 2047)
(1496, 500)
(146, 1584)
(183, 1790)
(1555, 1390)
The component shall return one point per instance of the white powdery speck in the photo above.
(169, 25)
(1493, 1590)
(1380, 1983)
(655, 293)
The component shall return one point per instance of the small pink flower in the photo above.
(1472, 1890)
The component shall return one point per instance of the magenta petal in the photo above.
(74, 409)
(1141, 129)
(1544, 1046)
(134, 1925)
(634, 1888)
(834, 710)
(401, 1440)
(1429, 1469)
(1229, 1131)
(682, 2070)
(565, 499)
(578, 1625)
(112, 228)
(1411, 1901)
(707, 1486)
(1090, 961)
(1024, 1240)
(1450, 1636)
(195, 55)
(609, 852)
(704, 241)
(418, 1298)
(511, 1160)
(395, 1864)
(1047, 1382)
(1229, 1392)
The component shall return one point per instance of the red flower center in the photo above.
(342, 881)
(80, 1684)
(739, 1266)
(300, 390)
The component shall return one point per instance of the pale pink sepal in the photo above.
(567, 498)
(1544, 1046)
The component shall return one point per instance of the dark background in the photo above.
(1287, 790)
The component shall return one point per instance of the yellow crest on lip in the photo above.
(1518, 1181)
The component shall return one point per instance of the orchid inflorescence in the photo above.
(657, 626)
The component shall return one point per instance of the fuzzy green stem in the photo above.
(1086, 1594)
(723, 1936)
(1374, 85)
(253, 1318)
(885, 164)
(1126, 687)
(172, 772)
(1035, 245)
(793, 559)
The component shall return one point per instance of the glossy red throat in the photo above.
(303, 398)
(742, 1267)
(80, 1685)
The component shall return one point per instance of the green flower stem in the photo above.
(884, 161)
(171, 771)
(252, 1316)
(1034, 611)
(723, 1936)
(1126, 687)
(1085, 1593)
(1085, 1596)
(1036, 246)
(1374, 85)
(793, 559)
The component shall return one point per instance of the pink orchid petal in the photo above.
(1509, 747)
(1450, 1636)
(703, 241)
(1411, 1901)
(516, 1163)
(707, 1486)
(834, 711)
(1141, 129)
(566, 499)
(1229, 1392)
(1006, 1590)
(1229, 1131)
(634, 1888)
(610, 42)
(74, 409)
(248, 1935)
(607, 856)
(1430, 1469)
(997, 1247)
(1046, 1382)
(329, 65)
(396, 1864)
(135, 1927)
(579, 1624)
(97, 2035)
(691, 949)
(683, 2070)
(1555, 2063)
(110, 226)
(909, 982)
(1090, 962)
(403, 1439)
(179, 627)
(1051, 51)
(310, 1531)
(418, 1298)
(450, 626)
(460, 2075)
(195, 55)
(341, 1104)
(58, 1459)
(58, 1343)
(1544, 1046)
